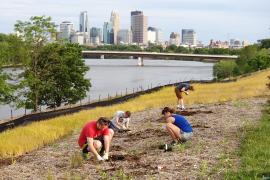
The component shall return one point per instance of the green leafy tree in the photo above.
(224, 69)
(265, 43)
(35, 33)
(63, 71)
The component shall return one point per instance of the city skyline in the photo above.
(223, 20)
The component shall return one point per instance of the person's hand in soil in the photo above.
(99, 158)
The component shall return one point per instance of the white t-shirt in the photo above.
(120, 115)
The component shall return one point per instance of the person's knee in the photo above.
(169, 126)
(97, 144)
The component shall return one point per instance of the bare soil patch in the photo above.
(136, 153)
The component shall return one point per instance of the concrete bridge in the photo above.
(153, 55)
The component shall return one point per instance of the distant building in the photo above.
(84, 26)
(124, 36)
(66, 29)
(152, 35)
(189, 37)
(115, 21)
(159, 35)
(218, 44)
(175, 39)
(139, 25)
(108, 33)
(95, 36)
(77, 37)
(245, 43)
(235, 44)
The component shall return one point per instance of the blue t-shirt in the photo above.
(182, 123)
(183, 85)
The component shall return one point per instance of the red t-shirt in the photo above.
(90, 130)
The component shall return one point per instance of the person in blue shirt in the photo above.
(179, 90)
(177, 126)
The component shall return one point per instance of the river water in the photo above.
(113, 76)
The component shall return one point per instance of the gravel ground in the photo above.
(218, 129)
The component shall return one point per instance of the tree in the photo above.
(6, 89)
(36, 33)
(224, 69)
(12, 50)
(265, 43)
(63, 71)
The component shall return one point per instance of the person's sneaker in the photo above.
(178, 107)
(181, 141)
(173, 143)
(182, 108)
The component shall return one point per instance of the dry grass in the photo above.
(20, 140)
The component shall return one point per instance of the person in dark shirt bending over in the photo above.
(179, 90)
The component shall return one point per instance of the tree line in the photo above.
(52, 72)
(251, 58)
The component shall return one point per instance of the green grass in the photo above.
(255, 151)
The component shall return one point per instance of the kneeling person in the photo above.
(177, 126)
(120, 121)
(96, 136)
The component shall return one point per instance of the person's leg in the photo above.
(181, 100)
(178, 95)
(111, 134)
(97, 144)
(107, 141)
(174, 131)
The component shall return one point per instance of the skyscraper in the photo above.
(175, 39)
(115, 21)
(154, 35)
(84, 26)
(189, 37)
(124, 36)
(66, 28)
(108, 35)
(95, 35)
(139, 27)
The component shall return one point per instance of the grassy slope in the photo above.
(24, 139)
(255, 151)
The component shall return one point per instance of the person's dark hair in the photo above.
(103, 121)
(167, 109)
(128, 113)
(191, 88)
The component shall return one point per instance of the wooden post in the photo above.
(99, 98)
(133, 90)
(108, 96)
(89, 99)
(11, 114)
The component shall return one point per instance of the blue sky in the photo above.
(217, 19)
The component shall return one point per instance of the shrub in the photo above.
(224, 69)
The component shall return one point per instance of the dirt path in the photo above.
(217, 132)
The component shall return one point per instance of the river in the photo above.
(111, 76)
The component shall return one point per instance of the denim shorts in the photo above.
(187, 136)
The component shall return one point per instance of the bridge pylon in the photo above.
(140, 61)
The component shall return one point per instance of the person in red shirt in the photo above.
(94, 136)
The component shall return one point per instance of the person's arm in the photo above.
(170, 120)
(90, 142)
(126, 123)
(118, 124)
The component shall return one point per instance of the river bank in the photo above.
(218, 129)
